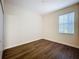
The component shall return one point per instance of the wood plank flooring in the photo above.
(41, 49)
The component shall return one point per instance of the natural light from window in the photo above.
(66, 23)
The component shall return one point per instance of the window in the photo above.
(66, 23)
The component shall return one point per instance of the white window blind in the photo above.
(66, 23)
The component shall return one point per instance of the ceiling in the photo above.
(41, 6)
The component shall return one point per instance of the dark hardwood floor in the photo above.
(42, 49)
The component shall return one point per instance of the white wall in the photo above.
(51, 27)
(22, 26)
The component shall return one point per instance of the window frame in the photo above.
(72, 23)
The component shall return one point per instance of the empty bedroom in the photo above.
(39, 29)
